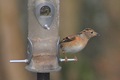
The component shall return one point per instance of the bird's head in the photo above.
(89, 33)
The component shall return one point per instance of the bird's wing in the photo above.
(68, 39)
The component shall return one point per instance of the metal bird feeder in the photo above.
(43, 25)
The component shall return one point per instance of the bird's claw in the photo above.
(76, 59)
(66, 59)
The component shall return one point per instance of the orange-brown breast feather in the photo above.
(76, 41)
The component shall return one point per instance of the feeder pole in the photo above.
(43, 76)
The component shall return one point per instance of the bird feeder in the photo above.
(43, 25)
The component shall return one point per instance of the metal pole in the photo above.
(43, 76)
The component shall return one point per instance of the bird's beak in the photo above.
(98, 34)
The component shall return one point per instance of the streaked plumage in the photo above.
(75, 43)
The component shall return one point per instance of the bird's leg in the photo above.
(76, 59)
(66, 59)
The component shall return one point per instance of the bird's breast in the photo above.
(73, 49)
(74, 46)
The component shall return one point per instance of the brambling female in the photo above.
(77, 42)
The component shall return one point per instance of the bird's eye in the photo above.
(91, 32)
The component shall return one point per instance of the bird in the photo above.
(75, 43)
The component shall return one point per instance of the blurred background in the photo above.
(100, 60)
